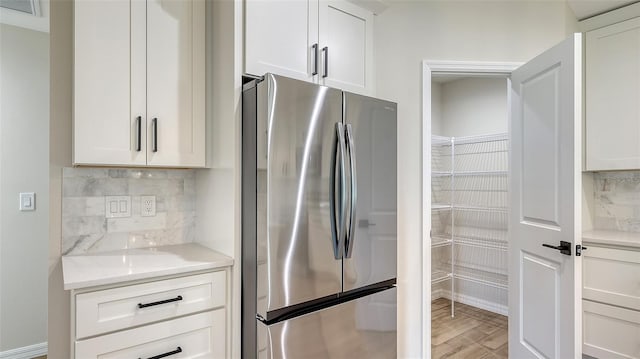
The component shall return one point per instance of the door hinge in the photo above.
(579, 250)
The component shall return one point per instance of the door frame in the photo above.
(429, 69)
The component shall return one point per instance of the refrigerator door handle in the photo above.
(354, 192)
(337, 217)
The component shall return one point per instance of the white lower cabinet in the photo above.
(611, 301)
(610, 331)
(181, 317)
(195, 336)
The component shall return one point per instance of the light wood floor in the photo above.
(472, 333)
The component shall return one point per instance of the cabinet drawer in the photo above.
(612, 276)
(610, 332)
(198, 336)
(119, 308)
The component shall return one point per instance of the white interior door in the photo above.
(544, 286)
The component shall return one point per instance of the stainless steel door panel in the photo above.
(362, 328)
(296, 261)
(372, 243)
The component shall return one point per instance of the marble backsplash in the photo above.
(85, 229)
(617, 201)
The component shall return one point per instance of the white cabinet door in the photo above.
(346, 43)
(176, 83)
(612, 93)
(109, 83)
(544, 285)
(280, 36)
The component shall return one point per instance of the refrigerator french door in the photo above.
(318, 221)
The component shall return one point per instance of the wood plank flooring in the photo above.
(472, 333)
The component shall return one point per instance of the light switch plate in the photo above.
(27, 201)
(117, 206)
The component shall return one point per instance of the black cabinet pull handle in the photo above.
(315, 59)
(564, 247)
(326, 61)
(178, 350)
(138, 133)
(145, 305)
(154, 123)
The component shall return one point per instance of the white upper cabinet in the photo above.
(281, 37)
(139, 83)
(613, 97)
(347, 46)
(176, 83)
(325, 42)
(105, 87)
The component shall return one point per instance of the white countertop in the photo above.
(89, 270)
(615, 238)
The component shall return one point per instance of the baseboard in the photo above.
(27, 352)
(437, 293)
(473, 301)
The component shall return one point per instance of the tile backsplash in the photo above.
(85, 228)
(617, 201)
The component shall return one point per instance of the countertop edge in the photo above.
(147, 275)
(221, 261)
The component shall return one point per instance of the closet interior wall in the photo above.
(469, 220)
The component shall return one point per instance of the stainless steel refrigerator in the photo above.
(318, 222)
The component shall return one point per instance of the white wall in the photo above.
(24, 167)
(473, 106)
(218, 187)
(409, 32)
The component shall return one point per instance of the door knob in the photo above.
(564, 247)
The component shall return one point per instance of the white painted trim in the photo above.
(429, 68)
(426, 210)
(610, 18)
(27, 352)
(471, 68)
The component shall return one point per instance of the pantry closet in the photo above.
(469, 214)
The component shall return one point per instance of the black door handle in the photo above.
(564, 247)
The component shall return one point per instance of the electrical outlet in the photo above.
(148, 206)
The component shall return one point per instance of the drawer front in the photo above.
(198, 336)
(610, 332)
(118, 308)
(612, 276)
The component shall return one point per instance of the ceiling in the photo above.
(587, 8)
(581, 8)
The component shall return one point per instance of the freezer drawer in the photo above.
(361, 328)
